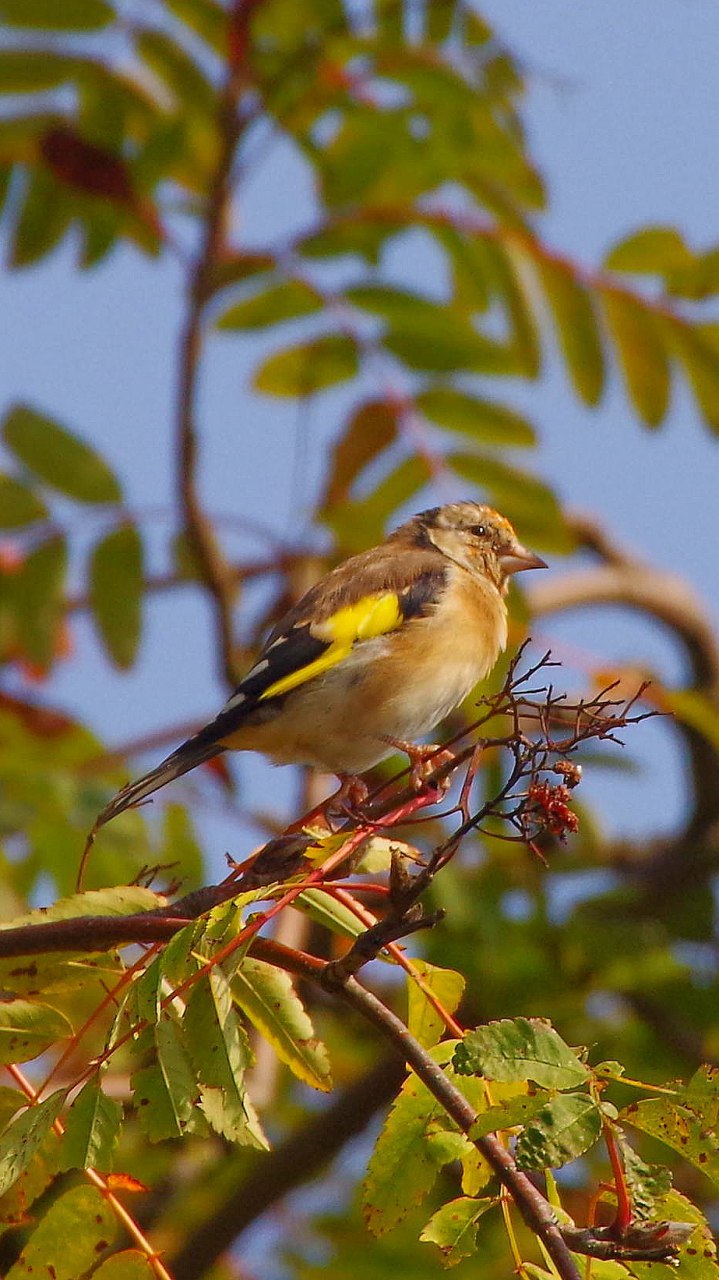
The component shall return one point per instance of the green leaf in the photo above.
(439, 19)
(375, 854)
(168, 969)
(284, 301)
(475, 30)
(92, 1129)
(58, 457)
(471, 272)
(57, 15)
(164, 1090)
(427, 334)
(483, 419)
(506, 269)
(642, 353)
(119, 900)
(131, 1264)
(411, 1149)
(21, 1139)
(702, 1094)
(35, 71)
(267, 997)
(396, 306)
(520, 1049)
(116, 583)
(697, 346)
(45, 214)
(176, 69)
(453, 1228)
(358, 239)
(19, 505)
(433, 336)
(38, 597)
(696, 281)
(70, 1238)
(235, 268)
(508, 1114)
(371, 429)
(423, 1021)
(165, 1093)
(206, 18)
(28, 1028)
(445, 347)
(309, 367)
(325, 910)
(576, 324)
(220, 1054)
(564, 1128)
(651, 251)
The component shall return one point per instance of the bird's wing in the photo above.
(304, 647)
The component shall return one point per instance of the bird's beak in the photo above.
(519, 558)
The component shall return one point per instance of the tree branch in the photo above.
(216, 571)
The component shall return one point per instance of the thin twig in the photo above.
(216, 571)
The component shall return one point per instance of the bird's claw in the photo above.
(424, 762)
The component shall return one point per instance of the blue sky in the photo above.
(621, 114)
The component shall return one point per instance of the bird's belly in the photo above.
(341, 721)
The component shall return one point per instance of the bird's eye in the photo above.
(479, 530)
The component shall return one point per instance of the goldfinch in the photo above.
(375, 655)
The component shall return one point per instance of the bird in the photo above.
(375, 655)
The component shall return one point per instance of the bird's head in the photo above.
(476, 537)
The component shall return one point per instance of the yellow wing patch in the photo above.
(373, 615)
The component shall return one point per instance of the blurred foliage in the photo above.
(130, 123)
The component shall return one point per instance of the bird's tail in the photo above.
(193, 752)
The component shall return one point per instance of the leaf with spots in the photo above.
(21, 1139)
(92, 1129)
(165, 1089)
(565, 1128)
(220, 1053)
(697, 1256)
(74, 1233)
(520, 1049)
(687, 1122)
(453, 1228)
(28, 1028)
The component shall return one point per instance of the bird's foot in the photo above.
(349, 799)
(424, 761)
